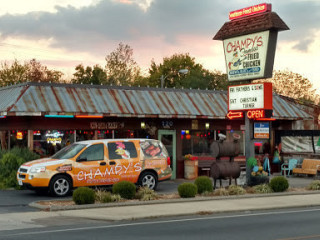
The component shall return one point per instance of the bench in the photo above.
(309, 167)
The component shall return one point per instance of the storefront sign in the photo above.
(106, 125)
(249, 11)
(54, 137)
(261, 130)
(246, 56)
(19, 135)
(250, 97)
(167, 124)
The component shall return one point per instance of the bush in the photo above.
(146, 194)
(10, 161)
(187, 190)
(204, 184)
(83, 195)
(125, 189)
(236, 190)
(315, 185)
(9, 164)
(279, 184)
(262, 188)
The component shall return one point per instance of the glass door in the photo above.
(168, 138)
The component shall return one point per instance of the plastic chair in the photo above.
(288, 166)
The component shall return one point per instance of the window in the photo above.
(122, 150)
(69, 151)
(296, 144)
(93, 153)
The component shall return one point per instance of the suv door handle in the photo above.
(103, 163)
(112, 163)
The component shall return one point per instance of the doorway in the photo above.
(168, 138)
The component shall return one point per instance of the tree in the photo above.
(197, 76)
(29, 71)
(88, 75)
(121, 68)
(40, 73)
(293, 85)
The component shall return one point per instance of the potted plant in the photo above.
(257, 176)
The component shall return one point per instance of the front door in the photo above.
(168, 138)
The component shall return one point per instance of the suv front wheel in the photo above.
(148, 179)
(60, 186)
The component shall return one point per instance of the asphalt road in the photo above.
(281, 224)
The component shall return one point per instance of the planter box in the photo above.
(190, 169)
(257, 180)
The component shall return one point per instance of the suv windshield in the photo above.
(69, 151)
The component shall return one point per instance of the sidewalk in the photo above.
(173, 207)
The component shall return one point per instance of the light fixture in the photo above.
(89, 116)
(207, 126)
(58, 116)
(143, 125)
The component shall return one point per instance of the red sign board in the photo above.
(249, 11)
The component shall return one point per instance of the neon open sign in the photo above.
(245, 12)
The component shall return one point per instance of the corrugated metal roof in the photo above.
(45, 98)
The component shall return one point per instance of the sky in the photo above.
(64, 33)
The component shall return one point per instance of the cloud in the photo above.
(92, 28)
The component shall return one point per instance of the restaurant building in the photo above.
(47, 116)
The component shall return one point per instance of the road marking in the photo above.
(299, 238)
(162, 222)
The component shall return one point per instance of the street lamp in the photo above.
(163, 77)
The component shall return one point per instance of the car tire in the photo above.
(148, 179)
(60, 186)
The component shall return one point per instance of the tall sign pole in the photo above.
(249, 41)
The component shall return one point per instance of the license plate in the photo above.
(20, 182)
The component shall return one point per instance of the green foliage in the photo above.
(279, 184)
(262, 188)
(83, 195)
(121, 68)
(28, 71)
(125, 189)
(187, 190)
(221, 192)
(9, 164)
(204, 184)
(146, 194)
(315, 185)
(88, 75)
(252, 162)
(197, 76)
(236, 190)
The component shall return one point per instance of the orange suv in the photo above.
(98, 163)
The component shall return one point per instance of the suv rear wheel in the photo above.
(60, 186)
(148, 179)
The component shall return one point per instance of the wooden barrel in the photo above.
(224, 170)
(224, 149)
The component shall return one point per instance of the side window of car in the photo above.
(93, 153)
(122, 150)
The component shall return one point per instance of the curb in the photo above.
(165, 201)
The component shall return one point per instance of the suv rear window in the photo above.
(153, 148)
(122, 150)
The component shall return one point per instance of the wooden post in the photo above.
(30, 139)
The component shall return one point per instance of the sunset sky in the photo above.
(64, 33)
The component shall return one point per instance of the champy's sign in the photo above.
(246, 56)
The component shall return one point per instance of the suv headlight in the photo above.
(37, 169)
